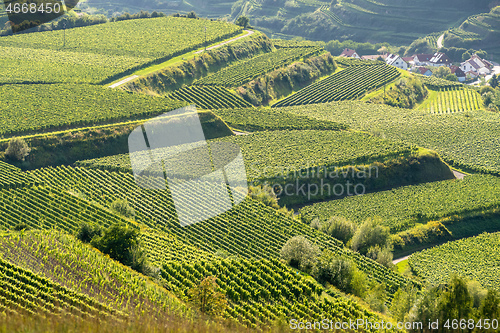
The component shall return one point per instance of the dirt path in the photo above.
(249, 32)
(395, 261)
(130, 78)
(458, 175)
(440, 41)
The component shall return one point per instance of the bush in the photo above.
(370, 234)
(300, 253)
(86, 232)
(337, 227)
(382, 255)
(17, 149)
(206, 297)
(21, 226)
(264, 194)
(122, 207)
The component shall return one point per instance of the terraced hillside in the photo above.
(451, 100)
(474, 258)
(403, 207)
(102, 52)
(467, 140)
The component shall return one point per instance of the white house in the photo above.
(439, 59)
(348, 53)
(422, 59)
(396, 61)
(477, 65)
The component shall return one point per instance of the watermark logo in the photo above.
(170, 153)
(20, 15)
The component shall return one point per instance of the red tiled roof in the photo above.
(348, 53)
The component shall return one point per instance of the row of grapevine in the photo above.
(350, 83)
(12, 177)
(250, 230)
(349, 62)
(401, 208)
(437, 83)
(245, 71)
(325, 10)
(465, 140)
(48, 208)
(465, 35)
(26, 293)
(33, 108)
(62, 259)
(474, 258)
(209, 97)
(262, 291)
(283, 43)
(449, 100)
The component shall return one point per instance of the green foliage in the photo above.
(401, 208)
(206, 297)
(209, 97)
(468, 141)
(243, 21)
(17, 149)
(494, 81)
(245, 71)
(12, 177)
(338, 271)
(265, 194)
(122, 207)
(442, 72)
(433, 82)
(263, 119)
(472, 258)
(370, 234)
(337, 227)
(260, 292)
(351, 83)
(88, 231)
(101, 53)
(300, 253)
(39, 107)
(405, 94)
(21, 226)
(453, 99)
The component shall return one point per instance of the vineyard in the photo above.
(245, 71)
(263, 119)
(466, 140)
(437, 83)
(475, 258)
(351, 83)
(12, 177)
(449, 100)
(35, 107)
(93, 54)
(78, 268)
(209, 97)
(271, 154)
(261, 291)
(250, 230)
(26, 293)
(401, 208)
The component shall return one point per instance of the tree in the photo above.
(192, 15)
(17, 149)
(451, 77)
(206, 297)
(86, 232)
(494, 81)
(491, 305)
(243, 21)
(300, 253)
(466, 56)
(442, 72)
(122, 207)
(337, 227)
(371, 233)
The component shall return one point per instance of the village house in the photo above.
(422, 70)
(375, 57)
(460, 74)
(396, 61)
(422, 59)
(477, 65)
(439, 59)
(348, 53)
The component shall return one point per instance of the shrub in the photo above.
(300, 253)
(369, 234)
(337, 227)
(382, 255)
(86, 232)
(21, 226)
(206, 297)
(17, 149)
(264, 194)
(122, 207)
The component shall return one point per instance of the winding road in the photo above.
(440, 41)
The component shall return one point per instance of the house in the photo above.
(396, 61)
(439, 59)
(460, 74)
(374, 57)
(348, 53)
(422, 59)
(477, 65)
(471, 75)
(423, 71)
(409, 60)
